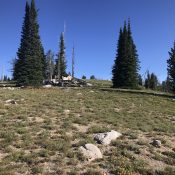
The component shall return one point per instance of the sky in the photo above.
(92, 26)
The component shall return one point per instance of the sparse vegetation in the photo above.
(37, 134)
(43, 131)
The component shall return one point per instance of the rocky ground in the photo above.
(48, 131)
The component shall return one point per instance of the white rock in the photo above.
(89, 84)
(10, 101)
(66, 111)
(11, 88)
(91, 152)
(47, 86)
(106, 138)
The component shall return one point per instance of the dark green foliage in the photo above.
(21, 64)
(84, 77)
(36, 65)
(126, 64)
(6, 78)
(166, 86)
(61, 65)
(140, 80)
(29, 68)
(92, 77)
(171, 68)
(151, 82)
(44, 62)
(147, 81)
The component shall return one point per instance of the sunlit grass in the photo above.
(40, 133)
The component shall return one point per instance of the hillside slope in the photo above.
(41, 131)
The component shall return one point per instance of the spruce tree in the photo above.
(153, 81)
(147, 80)
(29, 67)
(126, 64)
(20, 72)
(44, 61)
(171, 68)
(133, 62)
(37, 59)
(61, 65)
(140, 80)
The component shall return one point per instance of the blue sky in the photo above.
(93, 26)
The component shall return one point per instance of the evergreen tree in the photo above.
(8, 79)
(83, 77)
(44, 61)
(92, 77)
(50, 65)
(126, 64)
(5, 78)
(166, 86)
(29, 67)
(147, 81)
(118, 77)
(153, 81)
(140, 80)
(20, 72)
(37, 59)
(171, 68)
(61, 65)
(133, 62)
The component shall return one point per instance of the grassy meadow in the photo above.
(42, 132)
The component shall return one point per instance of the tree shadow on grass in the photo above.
(160, 94)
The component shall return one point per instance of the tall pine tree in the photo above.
(61, 64)
(29, 69)
(126, 64)
(20, 72)
(37, 58)
(171, 68)
(151, 82)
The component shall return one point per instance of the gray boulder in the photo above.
(91, 152)
(156, 143)
(106, 138)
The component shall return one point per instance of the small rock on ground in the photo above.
(47, 86)
(91, 152)
(106, 138)
(156, 143)
(66, 111)
(10, 101)
(92, 91)
(89, 84)
(79, 94)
